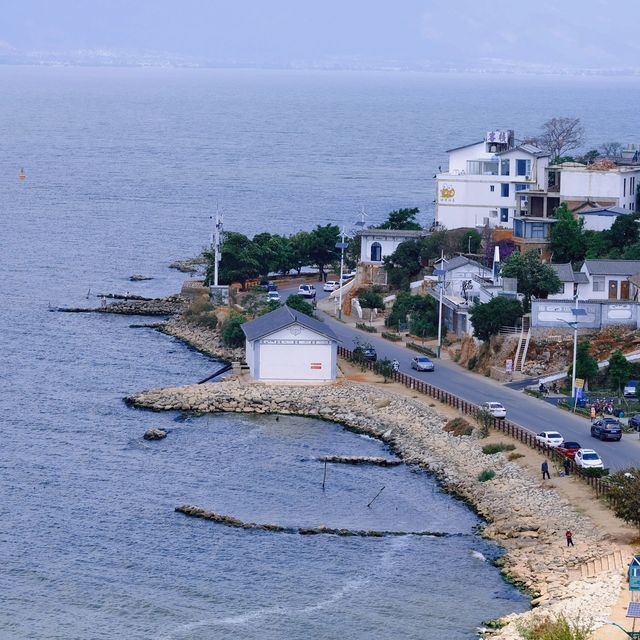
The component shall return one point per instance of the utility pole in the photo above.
(342, 245)
(216, 245)
(440, 273)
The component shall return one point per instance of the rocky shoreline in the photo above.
(525, 517)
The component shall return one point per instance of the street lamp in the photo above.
(577, 313)
(342, 245)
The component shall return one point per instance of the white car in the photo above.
(273, 296)
(494, 408)
(331, 285)
(550, 438)
(307, 291)
(588, 459)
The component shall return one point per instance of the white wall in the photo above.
(598, 223)
(388, 243)
(566, 293)
(290, 354)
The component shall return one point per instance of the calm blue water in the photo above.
(124, 169)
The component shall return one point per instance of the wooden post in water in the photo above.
(324, 477)
(374, 497)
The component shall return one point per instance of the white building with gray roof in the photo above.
(286, 345)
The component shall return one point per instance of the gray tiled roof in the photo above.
(604, 211)
(281, 318)
(527, 148)
(612, 267)
(580, 278)
(459, 261)
(564, 272)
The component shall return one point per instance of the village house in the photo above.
(286, 345)
(481, 184)
(377, 244)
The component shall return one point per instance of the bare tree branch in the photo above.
(560, 135)
(611, 149)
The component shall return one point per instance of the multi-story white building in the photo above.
(481, 186)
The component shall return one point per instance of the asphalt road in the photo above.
(531, 413)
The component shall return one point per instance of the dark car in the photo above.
(569, 449)
(365, 353)
(634, 421)
(606, 429)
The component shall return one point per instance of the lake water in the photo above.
(124, 169)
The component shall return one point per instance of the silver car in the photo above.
(422, 363)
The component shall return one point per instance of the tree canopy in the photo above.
(586, 364)
(624, 488)
(300, 304)
(404, 219)
(534, 277)
(566, 239)
(560, 135)
(487, 318)
(619, 369)
(403, 264)
(322, 246)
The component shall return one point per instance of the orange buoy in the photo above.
(22, 175)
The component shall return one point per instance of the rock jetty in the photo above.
(526, 517)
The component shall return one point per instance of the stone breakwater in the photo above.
(526, 518)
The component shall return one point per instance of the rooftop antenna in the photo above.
(216, 243)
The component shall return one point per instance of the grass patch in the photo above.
(394, 337)
(486, 474)
(514, 456)
(458, 427)
(497, 447)
(202, 314)
(555, 629)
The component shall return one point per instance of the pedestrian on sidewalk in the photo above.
(569, 536)
(545, 470)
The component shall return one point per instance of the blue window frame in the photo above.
(504, 189)
(504, 214)
(523, 167)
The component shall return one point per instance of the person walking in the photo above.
(545, 470)
(569, 536)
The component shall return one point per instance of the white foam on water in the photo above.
(480, 556)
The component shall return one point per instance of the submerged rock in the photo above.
(154, 434)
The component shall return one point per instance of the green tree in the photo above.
(322, 246)
(598, 244)
(231, 333)
(404, 219)
(586, 364)
(383, 368)
(300, 246)
(566, 238)
(239, 260)
(352, 252)
(471, 241)
(434, 245)
(624, 231)
(300, 304)
(487, 318)
(403, 264)
(625, 493)
(402, 306)
(632, 252)
(619, 369)
(371, 299)
(534, 277)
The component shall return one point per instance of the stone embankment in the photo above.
(143, 307)
(527, 518)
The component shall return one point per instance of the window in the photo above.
(376, 252)
(504, 189)
(521, 187)
(504, 215)
(624, 187)
(492, 188)
(504, 167)
(598, 283)
(538, 230)
(523, 167)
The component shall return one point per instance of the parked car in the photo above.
(494, 408)
(630, 389)
(588, 459)
(606, 429)
(550, 438)
(331, 285)
(568, 449)
(307, 291)
(634, 421)
(346, 277)
(268, 286)
(273, 296)
(422, 363)
(366, 353)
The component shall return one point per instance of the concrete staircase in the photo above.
(613, 562)
(523, 343)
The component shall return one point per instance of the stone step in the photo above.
(613, 562)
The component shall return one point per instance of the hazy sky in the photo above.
(568, 33)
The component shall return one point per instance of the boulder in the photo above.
(154, 434)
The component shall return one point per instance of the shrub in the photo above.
(383, 368)
(202, 314)
(473, 361)
(231, 332)
(484, 420)
(514, 456)
(558, 629)
(458, 427)
(422, 349)
(486, 474)
(594, 473)
(394, 337)
(366, 327)
(497, 447)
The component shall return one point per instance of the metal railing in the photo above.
(525, 436)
